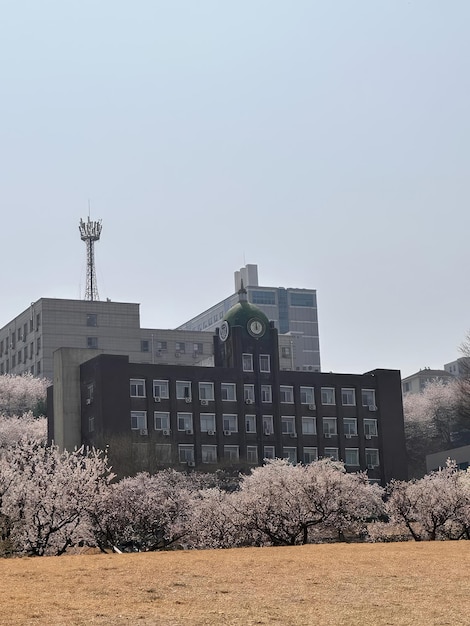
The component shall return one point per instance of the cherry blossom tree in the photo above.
(20, 394)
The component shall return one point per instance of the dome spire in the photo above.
(242, 295)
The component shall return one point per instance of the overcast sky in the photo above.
(328, 142)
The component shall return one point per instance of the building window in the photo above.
(91, 424)
(348, 397)
(228, 391)
(209, 454)
(186, 453)
(288, 425)
(180, 347)
(162, 420)
(230, 423)
(183, 390)
(185, 421)
(138, 420)
(290, 454)
(92, 319)
(162, 346)
(310, 455)
(370, 427)
(372, 458)
(91, 342)
(249, 394)
(269, 452)
(137, 386)
(198, 348)
(90, 393)
(207, 422)
(252, 454)
(206, 391)
(231, 453)
(351, 457)
(38, 368)
(38, 321)
(309, 426)
(285, 352)
(160, 389)
(38, 344)
(286, 394)
(350, 426)
(247, 360)
(263, 297)
(301, 299)
(144, 345)
(250, 422)
(307, 396)
(331, 453)
(266, 393)
(329, 426)
(162, 453)
(368, 397)
(327, 395)
(31, 350)
(264, 363)
(268, 427)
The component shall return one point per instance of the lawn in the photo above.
(340, 584)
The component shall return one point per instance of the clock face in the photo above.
(256, 328)
(224, 331)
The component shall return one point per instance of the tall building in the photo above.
(231, 415)
(293, 311)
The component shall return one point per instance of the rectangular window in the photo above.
(268, 427)
(269, 452)
(307, 396)
(368, 397)
(138, 420)
(31, 350)
(13, 360)
(91, 342)
(183, 390)
(288, 425)
(38, 344)
(370, 427)
(38, 368)
(266, 393)
(348, 397)
(163, 453)
(186, 453)
(91, 424)
(252, 454)
(162, 346)
(228, 391)
(180, 347)
(264, 363)
(137, 387)
(309, 426)
(263, 297)
(90, 393)
(198, 348)
(301, 299)
(290, 454)
(209, 454)
(92, 319)
(310, 455)
(331, 453)
(144, 345)
(25, 331)
(351, 457)
(286, 394)
(162, 420)
(206, 391)
(185, 421)
(249, 394)
(250, 422)
(207, 422)
(285, 352)
(327, 395)
(350, 426)
(247, 360)
(231, 453)
(160, 389)
(372, 458)
(329, 426)
(230, 422)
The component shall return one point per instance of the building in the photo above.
(234, 414)
(437, 460)
(28, 342)
(459, 368)
(293, 311)
(418, 381)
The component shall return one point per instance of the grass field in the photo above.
(350, 585)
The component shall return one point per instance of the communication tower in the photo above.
(89, 233)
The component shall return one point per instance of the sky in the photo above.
(327, 142)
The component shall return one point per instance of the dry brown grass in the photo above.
(350, 585)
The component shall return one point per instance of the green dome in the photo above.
(242, 312)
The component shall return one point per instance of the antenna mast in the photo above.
(89, 233)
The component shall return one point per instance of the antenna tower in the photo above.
(90, 232)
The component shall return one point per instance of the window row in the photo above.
(181, 347)
(230, 424)
(229, 392)
(20, 334)
(5, 367)
(232, 453)
(264, 362)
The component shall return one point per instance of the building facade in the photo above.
(233, 415)
(293, 311)
(417, 382)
